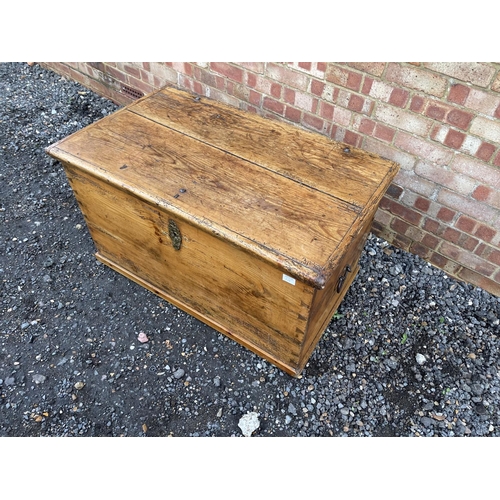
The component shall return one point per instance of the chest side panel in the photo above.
(327, 300)
(219, 280)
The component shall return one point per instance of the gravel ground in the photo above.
(410, 352)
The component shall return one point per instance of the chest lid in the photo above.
(292, 197)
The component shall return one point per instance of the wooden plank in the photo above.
(326, 301)
(220, 282)
(275, 217)
(309, 158)
(240, 337)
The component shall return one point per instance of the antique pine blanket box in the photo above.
(251, 225)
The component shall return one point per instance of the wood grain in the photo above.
(269, 214)
(218, 281)
(241, 221)
(306, 157)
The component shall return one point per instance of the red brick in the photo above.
(249, 108)
(485, 151)
(468, 242)
(420, 250)
(459, 118)
(497, 112)
(445, 214)
(208, 78)
(326, 110)
(430, 241)
(438, 260)
(132, 70)
(273, 105)
(399, 97)
(383, 217)
(343, 77)
(422, 204)
(485, 233)
(198, 88)
(313, 121)
(406, 213)
(497, 160)
(367, 85)
(494, 257)
(394, 191)
(435, 132)
(435, 112)
(452, 235)
(352, 138)
(366, 126)
(399, 225)
(117, 74)
(356, 103)
(466, 224)
(276, 90)
(454, 139)
(305, 65)
(432, 226)
(458, 94)
(481, 193)
(97, 65)
(254, 97)
(384, 133)
(417, 104)
(228, 70)
(402, 241)
(482, 250)
(333, 132)
(467, 259)
(251, 80)
(145, 87)
(293, 114)
(289, 95)
(317, 87)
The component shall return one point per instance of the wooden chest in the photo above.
(251, 225)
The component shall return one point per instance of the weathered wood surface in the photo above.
(268, 215)
(298, 218)
(346, 173)
(223, 284)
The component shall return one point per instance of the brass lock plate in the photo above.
(174, 234)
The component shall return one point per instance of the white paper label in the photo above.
(289, 279)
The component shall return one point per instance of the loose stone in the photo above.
(420, 358)
(39, 379)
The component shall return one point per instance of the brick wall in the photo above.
(439, 121)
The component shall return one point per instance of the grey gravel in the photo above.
(65, 317)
